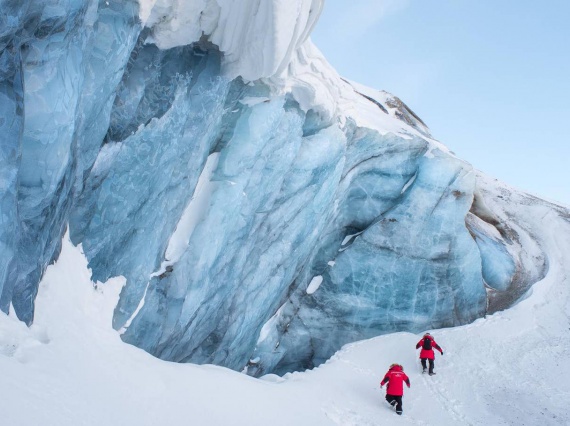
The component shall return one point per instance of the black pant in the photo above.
(395, 400)
(430, 364)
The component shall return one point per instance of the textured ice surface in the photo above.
(414, 267)
(498, 265)
(257, 231)
(137, 192)
(67, 56)
(325, 213)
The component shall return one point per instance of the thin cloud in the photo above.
(354, 18)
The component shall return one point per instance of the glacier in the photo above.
(263, 210)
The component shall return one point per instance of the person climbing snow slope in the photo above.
(427, 343)
(395, 377)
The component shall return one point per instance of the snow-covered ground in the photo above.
(71, 368)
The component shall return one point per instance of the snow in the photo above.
(269, 41)
(71, 367)
(347, 239)
(257, 38)
(344, 244)
(409, 183)
(265, 330)
(314, 284)
(194, 212)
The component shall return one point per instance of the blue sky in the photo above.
(491, 78)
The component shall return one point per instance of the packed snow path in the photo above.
(71, 368)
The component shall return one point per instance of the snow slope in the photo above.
(71, 368)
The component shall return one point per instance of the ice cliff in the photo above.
(263, 211)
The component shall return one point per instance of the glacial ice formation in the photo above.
(263, 211)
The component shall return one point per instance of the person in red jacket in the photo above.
(395, 377)
(427, 343)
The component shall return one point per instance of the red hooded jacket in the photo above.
(428, 353)
(395, 377)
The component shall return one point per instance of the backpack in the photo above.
(427, 344)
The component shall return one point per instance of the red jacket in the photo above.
(395, 377)
(428, 353)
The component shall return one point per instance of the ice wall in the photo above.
(263, 210)
(60, 62)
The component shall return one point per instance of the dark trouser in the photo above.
(395, 400)
(430, 364)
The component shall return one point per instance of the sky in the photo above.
(491, 78)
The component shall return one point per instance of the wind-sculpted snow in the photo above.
(258, 38)
(263, 211)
